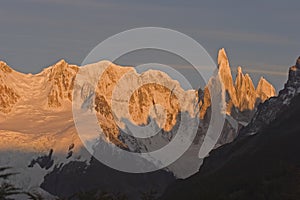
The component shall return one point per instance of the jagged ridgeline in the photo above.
(52, 89)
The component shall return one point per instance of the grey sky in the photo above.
(261, 36)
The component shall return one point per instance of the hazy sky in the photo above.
(261, 36)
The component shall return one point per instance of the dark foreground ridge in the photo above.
(259, 165)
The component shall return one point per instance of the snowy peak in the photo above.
(53, 85)
(60, 78)
(245, 91)
(5, 68)
(264, 89)
(226, 78)
(61, 68)
(239, 71)
(222, 58)
(241, 95)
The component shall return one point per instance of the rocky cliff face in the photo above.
(242, 95)
(226, 78)
(8, 95)
(264, 90)
(60, 80)
(245, 92)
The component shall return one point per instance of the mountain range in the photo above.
(39, 138)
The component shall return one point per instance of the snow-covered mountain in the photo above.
(60, 81)
(38, 135)
(30, 128)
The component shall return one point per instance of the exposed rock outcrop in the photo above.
(245, 91)
(60, 78)
(264, 90)
(8, 95)
(242, 97)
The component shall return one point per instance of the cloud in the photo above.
(269, 72)
(257, 37)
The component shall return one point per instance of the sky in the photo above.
(261, 36)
